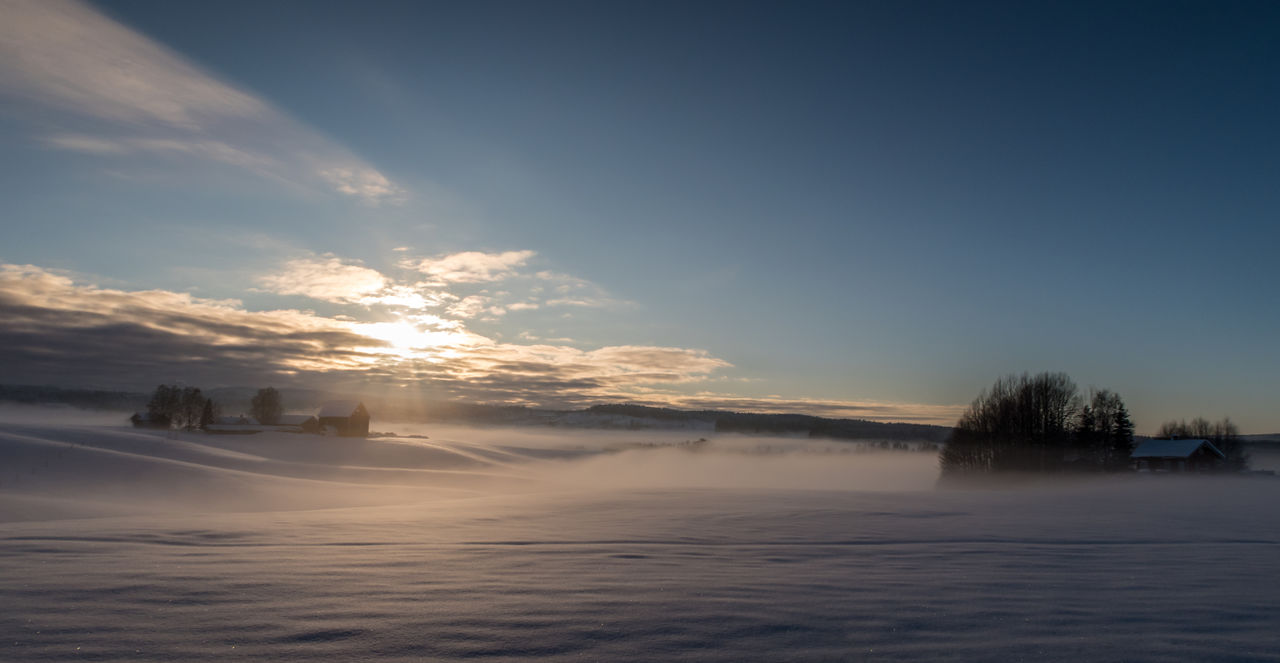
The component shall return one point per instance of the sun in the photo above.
(407, 340)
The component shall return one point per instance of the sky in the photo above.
(862, 209)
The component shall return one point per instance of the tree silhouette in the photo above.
(1121, 440)
(1223, 434)
(209, 414)
(266, 406)
(164, 404)
(1038, 424)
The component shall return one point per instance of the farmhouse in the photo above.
(345, 418)
(1177, 456)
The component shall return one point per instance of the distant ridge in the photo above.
(89, 399)
(813, 426)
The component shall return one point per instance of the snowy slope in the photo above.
(508, 547)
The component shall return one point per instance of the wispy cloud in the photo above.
(475, 305)
(469, 266)
(567, 290)
(121, 94)
(447, 280)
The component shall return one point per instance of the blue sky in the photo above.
(864, 209)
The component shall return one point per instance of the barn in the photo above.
(1177, 456)
(346, 418)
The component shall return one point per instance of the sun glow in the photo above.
(408, 340)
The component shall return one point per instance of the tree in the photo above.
(267, 407)
(1223, 434)
(1039, 424)
(1023, 423)
(177, 406)
(209, 414)
(1121, 440)
(1110, 435)
(1087, 437)
(192, 405)
(165, 403)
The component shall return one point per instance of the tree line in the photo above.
(179, 406)
(1043, 423)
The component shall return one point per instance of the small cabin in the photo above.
(1177, 456)
(346, 418)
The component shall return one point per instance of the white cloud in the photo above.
(409, 296)
(475, 305)
(327, 278)
(79, 67)
(365, 183)
(470, 266)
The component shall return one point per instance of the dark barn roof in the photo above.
(338, 409)
(1174, 449)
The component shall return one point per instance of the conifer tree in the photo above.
(1121, 440)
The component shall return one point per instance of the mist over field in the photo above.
(546, 544)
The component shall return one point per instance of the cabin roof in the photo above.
(338, 409)
(1174, 449)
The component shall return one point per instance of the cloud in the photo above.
(475, 305)
(53, 327)
(212, 150)
(128, 96)
(332, 279)
(362, 182)
(326, 278)
(329, 278)
(540, 289)
(56, 330)
(568, 290)
(470, 266)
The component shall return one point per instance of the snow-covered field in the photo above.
(559, 545)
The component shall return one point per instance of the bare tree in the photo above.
(209, 414)
(266, 406)
(1022, 423)
(165, 403)
(1222, 433)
